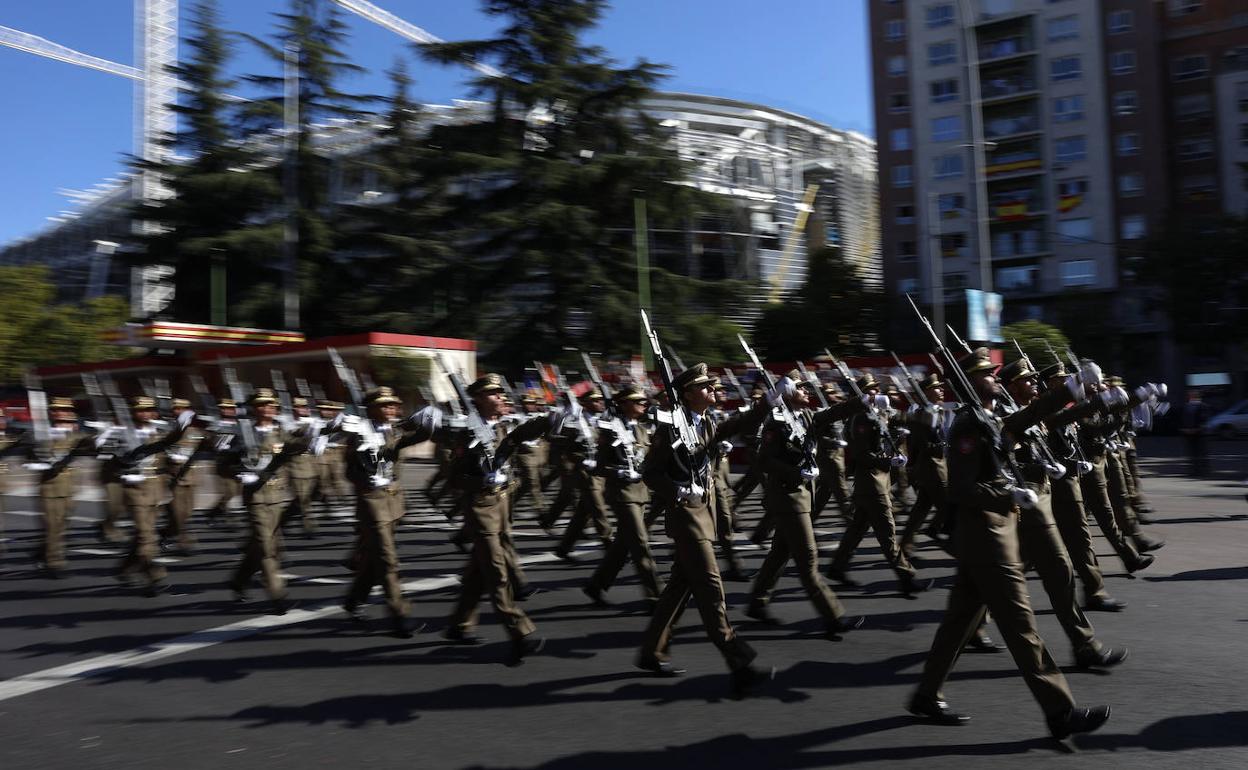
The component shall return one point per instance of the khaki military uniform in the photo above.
(929, 473)
(1068, 510)
(832, 482)
(303, 476)
(144, 492)
(628, 498)
(331, 472)
(725, 507)
(224, 439)
(178, 468)
(1095, 486)
(114, 500)
(531, 459)
(56, 493)
(588, 496)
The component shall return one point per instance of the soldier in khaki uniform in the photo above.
(373, 462)
(331, 465)
(114, 500)
(791, 470)
(56, 481)
(487, 512)
(304, 472)
(7, 444)
(725, 499)
(531, 457)
(686, 494)
(990, 564)
(622, 446)
(580, 464)
(873, 502)
(928, 441)
(179, 468)
(832, 483)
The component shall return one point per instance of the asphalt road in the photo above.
(95, 675)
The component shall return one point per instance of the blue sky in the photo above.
(68, 127)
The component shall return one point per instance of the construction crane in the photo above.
(804, 210)
(405, 29)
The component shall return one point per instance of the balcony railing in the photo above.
(1008, 126)
(996, 88)
(1004, 47)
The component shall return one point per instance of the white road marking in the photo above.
(198, 640)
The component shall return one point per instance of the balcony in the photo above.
(1003, 126)
(1005, 48)
(1019, 243)
(999, 89)
(1016, 281)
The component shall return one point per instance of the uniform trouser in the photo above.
(694, 572)
(746, 485)
(930, 498)
(832, 483)
(568, 495)
(795, 539)
(1072, 525)
(725, 504)
(144, 543)
(1095, 491)
(901, 477)
(230, 488)
(631, 540)
(1133, 466)
(378, 564)
(1119, 498)
(874, 512)
(531, 481)
(590, 506)
(55, 514)
(114, 511)
(260, 552)
(181, 506)
(1002, 590)
(486, 572)
(331, 477)
(1040, 545)
(304, 489)
(515, 570)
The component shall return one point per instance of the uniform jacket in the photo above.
(613, 460)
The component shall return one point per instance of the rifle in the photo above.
(675, 358)
(732, 380)
(915, 386)
(961, 342)
(480, 432)
(614, 423)
(584, 432)
(793, 423)
(813, 380)
(246, 422)
(40, 425)
(692, 452)
(356, 396)
(207, 402)
(876, 418)
(283, 395)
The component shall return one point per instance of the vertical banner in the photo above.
(983, 316)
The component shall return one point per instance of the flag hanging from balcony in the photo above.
(1069, 202)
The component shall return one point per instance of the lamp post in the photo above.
(978, 147)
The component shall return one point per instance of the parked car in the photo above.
(1230, 423)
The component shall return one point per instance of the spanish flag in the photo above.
(1069, 203)
(1012, 210)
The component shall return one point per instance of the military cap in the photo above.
(591, 394)
(630, 393)
(890, 389)
(693, 376)
(487, 383)
(60, 403)
(832, 390)
(978, 361)
(142, 402)
(325, 403)
(1055, 369)
(181, 403)
(227, 403)
(717, 383)
(796, 376)
(932, 380)
(1114, 381)
(382, 395)
(867, 382)
(757, 393)
(1015, 370)
(299, 401)
(261, 397)
(530, 397)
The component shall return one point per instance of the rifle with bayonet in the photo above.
(795, 426)
(877, 418)
(814, 382)
(731, 377)
(687, 445)
(614, 423)
(479, 431)
(916, 387)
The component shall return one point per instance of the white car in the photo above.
(1230, 423)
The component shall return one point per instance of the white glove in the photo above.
(177, 457)
(897, 461)
(37, 466)
(427, 417)
(1113, 397)
(903, 432)
(628, 474)
(1085, 467)
(1055, 472)
(318, 445)
(589, 463)
(810, 472)
(1160, 389)
(725, 447)
(350, 423)
(103, 437)
(881, 402)
(842, 443)
(186, 418)
(371, 442)
(1162, 408)
(497, 478)
(132, 478)
(688, 493)
(1076, 390)
(246, 478)
(1090, 373)
(379, 480)
(1143, 392)
(1024, 497)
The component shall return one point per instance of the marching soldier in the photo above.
(622, 446)
(531, 457)
(686, 495)
(725, 500)
(373, 448)
(580, 464)
(56, 481)
(791, 471)
(832, 483)
(928, 442)
(874, 457)
(225, 433)
(331, 476)
(304, 471)
(179, 468)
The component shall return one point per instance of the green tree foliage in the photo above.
(1032, 336)
(545, 260)
(34, 331)
(215, 212)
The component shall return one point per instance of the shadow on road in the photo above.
(1220, 573)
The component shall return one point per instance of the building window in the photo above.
(944, 90)
(899, 102)
(899, 139)
(947, 128)
(1079, 272)
(1120, 22)
(951, 205)
(903, 176)
(906, 251)
(894, 30)
(1068, 108)
(1184, 7)
(1193, 106)
(1198, 187)
(1070, 149)
(1127, 145)
(1066, 68)
(954, 284)
(1074, 231)
(1191, 67)
(1125, 103)
(905, 214)
(947, 166)
(1063, 28)
(1018, 279)
(939, 15)
(1122, 62)
(952, 245)
(896, 66)
(1071, 194)
(1130, 185)
(945, 52)
(1235, 59)
(908, 286)
(1134, 227)
(1016, 243)
(1195, 148)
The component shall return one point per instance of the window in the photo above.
(1066, 68)
(1125, 103)
(951, 205)
(939, 15)
(1016, 243)
(1193, 106)
(1127, 144)
(1063, 28)
(944, 90)
(903, 176)
(945, 52)
(1184, 7)
(899, 139)
(905, 214)
(899, 102)
(1070, 149)
(947, 128)
(1074, 231)
(894, 30)
(1195, 148)
(1191, 67)
(1134, 227)
(1071, 194)
(1068, 108)
(953, 244)
(954, 284)
(1120, 22)
(908, 286)
(1122, 62)
(947, 166)
(1018, 279)
(1130, 185)
(906, 250)
(1235, 59)
(896, 66)
(1198, 187)
(1079, 272)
